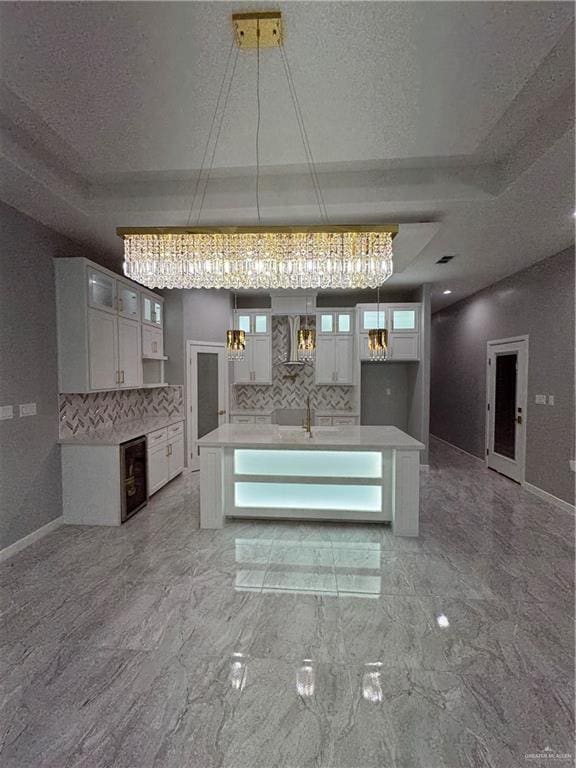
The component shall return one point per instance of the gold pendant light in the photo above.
(306, 340)
(378, 337)
(261, 257)
(235, 340)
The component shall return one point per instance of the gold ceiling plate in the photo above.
(266, 25)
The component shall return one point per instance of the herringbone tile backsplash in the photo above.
(285, 393)
(101, 410)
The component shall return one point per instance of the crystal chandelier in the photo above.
(260, 257)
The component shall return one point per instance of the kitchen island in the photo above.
(344, 473)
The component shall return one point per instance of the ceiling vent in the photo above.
(444, 259)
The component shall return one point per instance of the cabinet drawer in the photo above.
(157, 437)
(176, 429)
(324, 421)
(343, 420)
(262, 420)
(242, 419)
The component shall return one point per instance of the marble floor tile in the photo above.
(160, 645)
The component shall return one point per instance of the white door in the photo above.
(129, 353)
(207, 392)
(261, 353)
(102, 349)
(507, 387)
(344, 346)
(325, 360)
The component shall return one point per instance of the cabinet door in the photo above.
(102, 349)
(152, 342)
(129, 353)
(101, 290)
(157, 318)
(261, 349)
(325, 360)
(128, 300)
(175, 456)
(404, 346)
(151, 310)
(157, 467)
(243, 368)
(344, 366)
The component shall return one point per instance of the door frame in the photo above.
(192, 347)
(521, 342)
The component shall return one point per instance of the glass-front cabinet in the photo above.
(334, 321)
(128, 299)
(151, 311)
(253, 322)
(402, 322)
(101, 290)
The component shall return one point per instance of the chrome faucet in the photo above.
(308, 420)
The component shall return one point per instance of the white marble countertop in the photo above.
(340, 437)
(127, 430)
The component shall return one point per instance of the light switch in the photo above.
(541, 399)
(28, 409)
(550, 399)
(6, 412)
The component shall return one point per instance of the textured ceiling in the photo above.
(458, 113)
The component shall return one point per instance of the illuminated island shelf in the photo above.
(348, 473)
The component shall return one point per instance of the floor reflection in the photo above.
(312, 567)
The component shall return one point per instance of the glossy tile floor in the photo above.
(296, 645)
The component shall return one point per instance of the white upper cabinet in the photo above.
(129, 354)
(101, 290)
(403, 324)
(100, 335)
(102, 350)
(256, 366)
(128, 299)
(152, 342)
(334, 359)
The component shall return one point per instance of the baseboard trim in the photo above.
(457, 448)
(21, 544)
(550, 498)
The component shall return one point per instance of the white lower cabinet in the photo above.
(334, 421)
(165, 455)
(240, 418)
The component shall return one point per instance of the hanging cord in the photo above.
(304, 136)
(210, 131)
(219, 131)
(258, 122)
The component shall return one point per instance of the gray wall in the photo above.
(538, 301)
(30, 483)
(385, 394)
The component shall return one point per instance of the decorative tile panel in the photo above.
(80, 413)
(290, 384)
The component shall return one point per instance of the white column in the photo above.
(211, 488)
(406, 500)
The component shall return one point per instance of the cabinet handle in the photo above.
(167, 450)
(120, 305)
(122, 372)
(117, 377)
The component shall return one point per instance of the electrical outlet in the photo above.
(28, 409)
(550, 399)
(541, 399)
(6, 412)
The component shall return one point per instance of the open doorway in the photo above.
(507, 395)
(207, 392)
